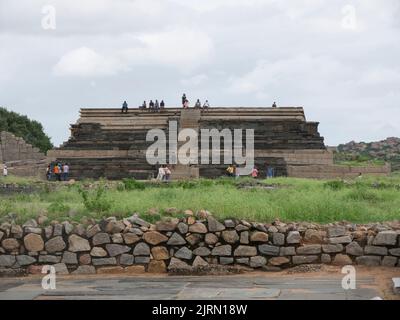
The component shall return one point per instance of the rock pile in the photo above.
(191, 243)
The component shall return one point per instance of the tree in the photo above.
(21, 126)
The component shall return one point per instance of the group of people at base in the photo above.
(164, 173)
(233, 172)
(57, 171)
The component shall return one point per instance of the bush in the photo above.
(95, 200)
(132, 184)
(58, 207)
(334, 184)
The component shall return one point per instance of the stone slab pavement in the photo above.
(254, 286)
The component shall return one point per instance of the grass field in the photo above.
(366, 199)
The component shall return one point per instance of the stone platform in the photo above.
(107, 143)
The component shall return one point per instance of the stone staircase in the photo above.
(189, 119)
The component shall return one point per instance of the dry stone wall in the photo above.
(191, 244)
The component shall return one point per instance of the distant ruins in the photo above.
(107, 143)
(20, 157)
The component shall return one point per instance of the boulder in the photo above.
(293, 237)
(160, 253)
(245, 251)
(85, 270)
(259, 236)
(198, 227)
(214, 225)
(309, 249)
(386, 238)
(154, 237)
(269, 250)
(176, 264)
(257, 262)
(304, 259)
(369, 260)
(342, 260)
(230, 236)
(183, 227)
(211, 238)
(10, 244)
(130, 238)
(278, 261)
(141, 249)
(332, 248)
(69, 258)
(336, 231)
(126, 259)
(313, 236)
(375, 250)
(167, 225)
(224, 250)
(354, 249)
(176, 240)
(24, 260)
(55, 244)
(156, 266)
(116, 249)
(389, 261)
(278, 239)
(199, 262)
(104, 261)
(287, 251)
(7, 260)
(343, 239)
(202, 251)
(33, 242)
(100, 238)
(78, 244)
(194, 238)
(184, 253)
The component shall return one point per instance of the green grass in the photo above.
(361, 200)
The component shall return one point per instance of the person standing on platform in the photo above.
(274, 105)
(183, 100)
(206, 105)
(5, 171)
(65, 171)
(157, 106)
(162, 104)
(151, 105)
(124, 107)
(198, 104)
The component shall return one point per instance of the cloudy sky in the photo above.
(340, 59)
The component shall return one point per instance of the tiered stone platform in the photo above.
(107, 143)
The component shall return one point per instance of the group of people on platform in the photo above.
(158, 106)
(57, 171)
(197, 105)
(269, 171)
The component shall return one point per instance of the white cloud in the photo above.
(194, 81)
(85, 62)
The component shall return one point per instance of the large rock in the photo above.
(309, 249)
(244, 237)
(395, 252)
(194, 238)
(259, 236)
(156, 266)
(167, 225)
(104, 261)
(140, 222)
(245, 251)
(293, 237)
(278, 238)
(98, 252)
(313, 236)
(332, 248)
(176, 264)
(269, 250)
(154, 237)
(61, 268)
(78, 244)
(160, 253)
(126, 259)
(211, 238)
(24, 260)
(230, 236)
(85, 270)
(91, 231)
(7, 260)
(336, 231)
(101, 238)
(304, 259)
(49, 259)
(183, 227)
(202, 251)
(199, 262)
(33, 242)
(115, 227)
(386, 238)
(224, 250)
(141, 249)
(10, 244)
(214, 225)
(69, 258)
(389, 261)
(354, 249)
(176, 240)
(55, 244)
(130, 238)
(343, 239)
(369, 260)
(116, 249)
(287, 251)
(198, 227)
(375, 250)
(278, 261)
(257, 262)
(184, 253)
(342, 260)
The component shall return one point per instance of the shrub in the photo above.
(58, 207)
(334, 184)
(132, 184)
(95, 200)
